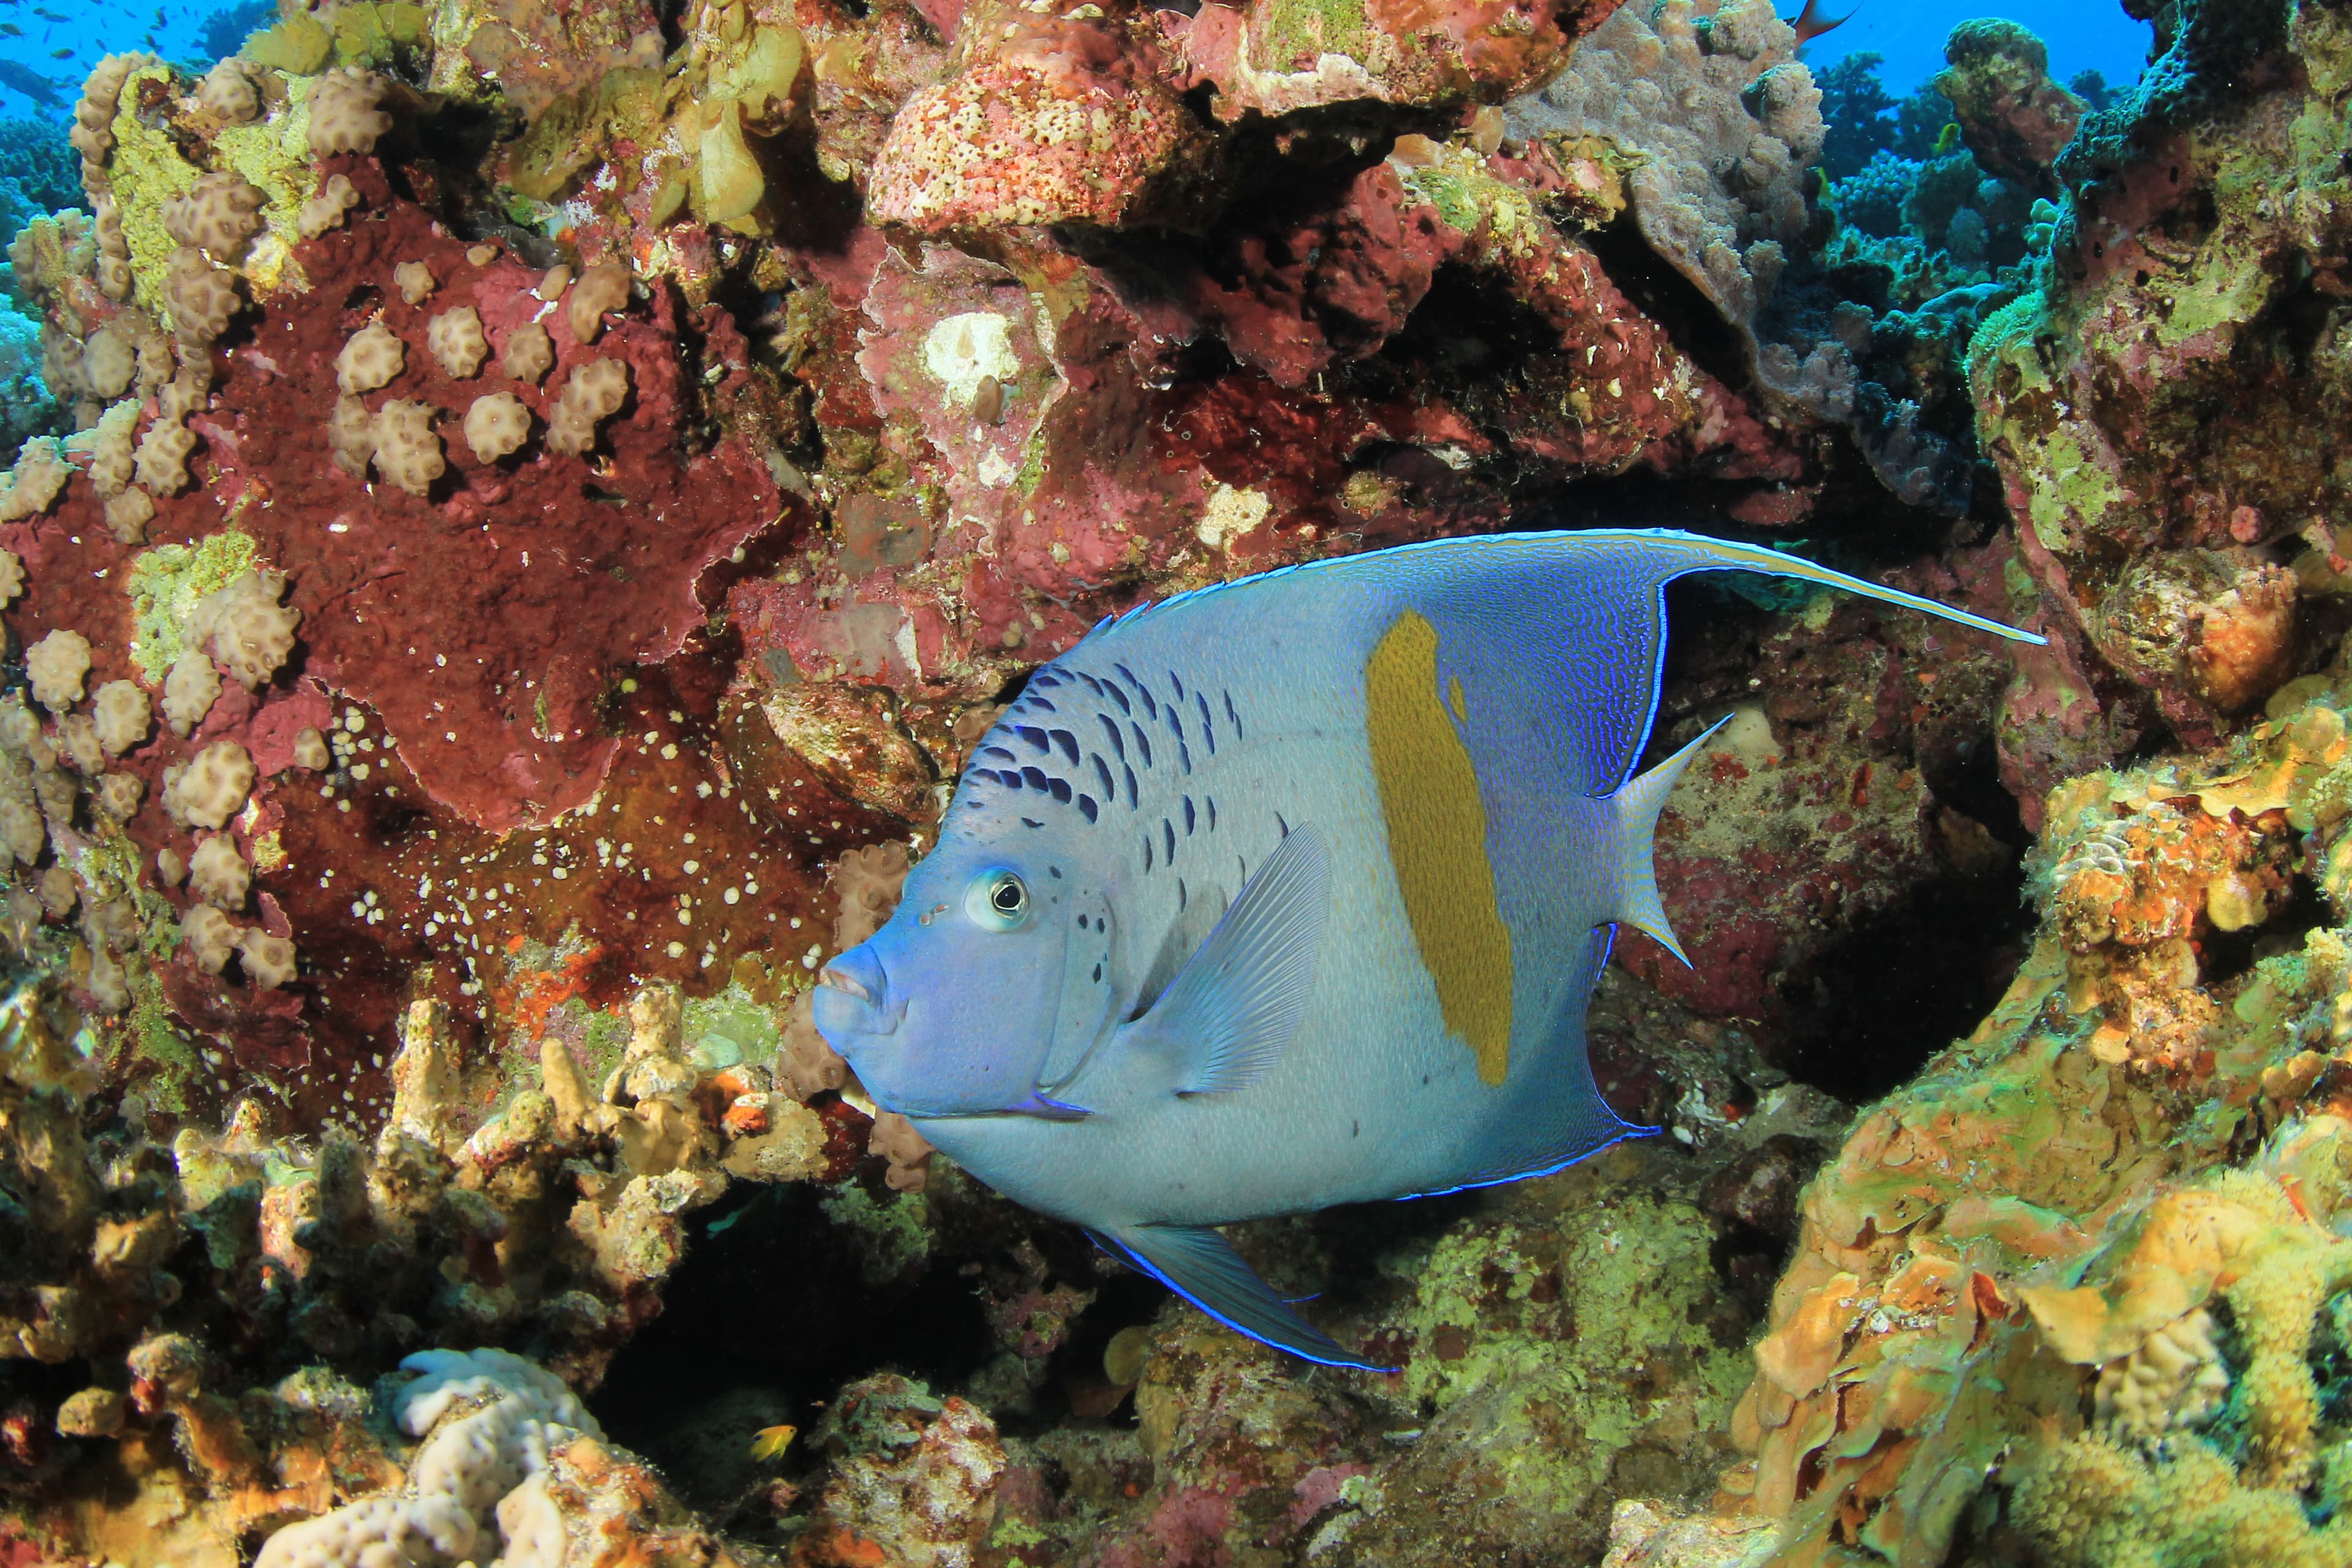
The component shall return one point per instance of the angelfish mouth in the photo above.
(875, 1011)
(836, 980)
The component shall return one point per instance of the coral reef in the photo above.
(2151, 519)
(515, 517)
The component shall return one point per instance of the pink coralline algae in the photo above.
(1051, 118)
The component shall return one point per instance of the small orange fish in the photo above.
(770, 1442)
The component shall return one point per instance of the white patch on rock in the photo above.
(1231, 513)
(962, 349)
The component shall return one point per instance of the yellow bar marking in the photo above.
(1437, 840)
(1453, 696)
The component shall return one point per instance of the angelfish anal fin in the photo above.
(1232, 1009)
(1202, 1265)
(1632, 846)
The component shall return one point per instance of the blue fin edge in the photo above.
(1300, 1339)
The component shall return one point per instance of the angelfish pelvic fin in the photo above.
(1633, 847)
(1232, 1009)
(1201, 1265)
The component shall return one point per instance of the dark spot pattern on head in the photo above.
(1232, 716)
(1052, 748)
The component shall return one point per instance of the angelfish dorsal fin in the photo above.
(1202, 1265)
(1235, 1003)
(1633, 847)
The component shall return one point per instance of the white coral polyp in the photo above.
(457, 342)
(592, 393)
(57, 665)
(407, 452)
(477, 1465)
(190, 688)
(246, 626)
(214, 787)
(370, 360)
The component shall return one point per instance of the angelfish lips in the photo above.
(854, 1000)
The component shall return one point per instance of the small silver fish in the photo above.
(1293, 892)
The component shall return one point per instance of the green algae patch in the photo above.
(1297, 32)
(299, 45)
(156, 1043)
(1567, 1345)
(574, 131)
(147, 169)
(167, 583)
(730, 1028)
(895, 1231)
(2072, 493)
(379, 32)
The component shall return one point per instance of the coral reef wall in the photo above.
(517, 515)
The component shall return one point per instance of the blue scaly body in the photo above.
(1292, 892)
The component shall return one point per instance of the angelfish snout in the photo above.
(854, 996)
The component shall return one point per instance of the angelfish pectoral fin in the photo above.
(1236, 1002)
(1201, 1265)
(1633, 847)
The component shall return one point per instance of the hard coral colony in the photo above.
(520, 519)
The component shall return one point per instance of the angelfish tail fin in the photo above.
(1633, 846)
(1200, 1264)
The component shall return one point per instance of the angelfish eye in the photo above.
(998, 900)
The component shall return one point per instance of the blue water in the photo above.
(61, 40)
(2081, 35)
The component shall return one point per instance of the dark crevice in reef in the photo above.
(2227, 955)
(771, 1311)
(1672, 300)
(1859, 1015)
(1866, 1015)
